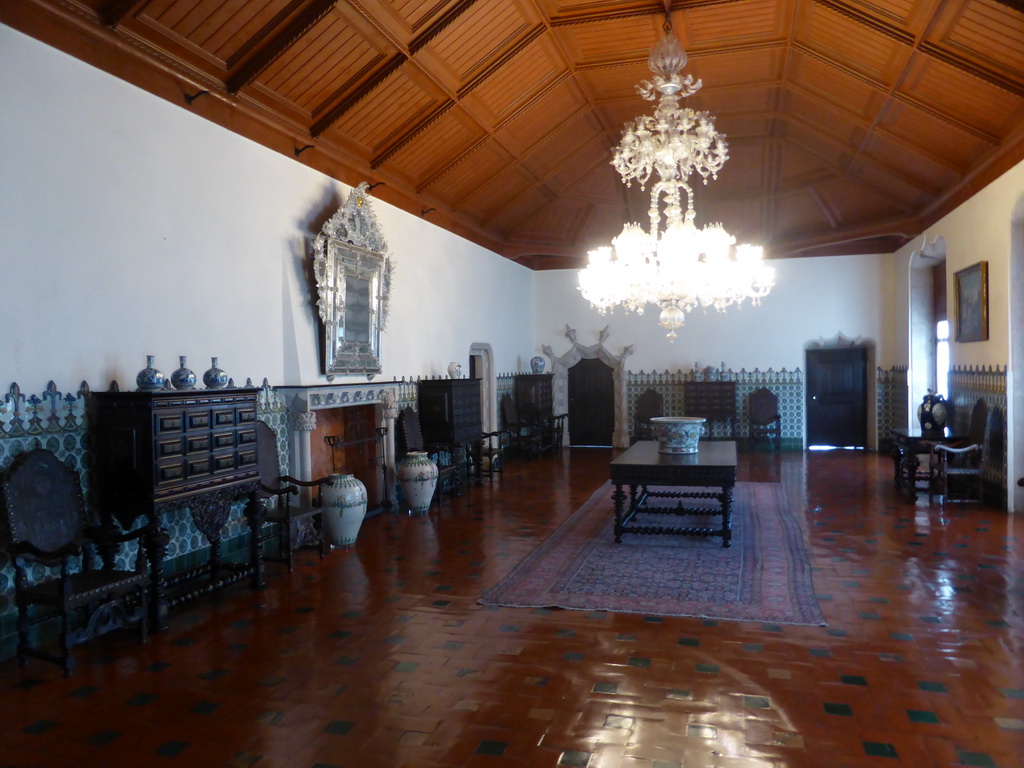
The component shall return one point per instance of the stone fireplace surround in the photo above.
(303, 403)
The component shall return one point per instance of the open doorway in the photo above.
(481, 366)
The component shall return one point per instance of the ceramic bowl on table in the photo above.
(678, 434)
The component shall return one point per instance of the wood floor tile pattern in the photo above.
(380, 656)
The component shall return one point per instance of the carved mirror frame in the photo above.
(353, 281)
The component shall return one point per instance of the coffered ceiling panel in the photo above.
(476, 168)
(870, 51)
(533, 69)
(942, 139)
(475, 39)
(736, 23)
(852, 124)
(836, 86)
(435, 148)
(969, 100)
(987, 33)
(380, 120)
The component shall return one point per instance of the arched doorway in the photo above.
(560, 369)
(481, 366)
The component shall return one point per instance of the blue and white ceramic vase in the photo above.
(183, 378)
(932, 414)
(454, 370)
(417, 477)
(344, 508)
(215, 378)
(537, 364)
(149, 378)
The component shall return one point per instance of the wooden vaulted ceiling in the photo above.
(852, 124)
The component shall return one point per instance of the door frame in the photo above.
(839, 341)
(560, 368)
(488, 384)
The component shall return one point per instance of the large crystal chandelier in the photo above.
(680, 267)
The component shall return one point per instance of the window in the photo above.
(942, 358)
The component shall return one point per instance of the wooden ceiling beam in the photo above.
(288, 31)
(116, 10)
(437, 27)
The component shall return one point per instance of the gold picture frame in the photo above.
(970, 298)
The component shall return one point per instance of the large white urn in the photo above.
(417, 477)
(344, 508)
(678, 434)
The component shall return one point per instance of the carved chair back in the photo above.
(765, 420)
(410, 436)
(43, 498)
(48, 524)
(650, 404)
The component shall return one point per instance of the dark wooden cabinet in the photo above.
(450, 419)
(157, 452)
(449, 410)
(714, 400)
(533, 395)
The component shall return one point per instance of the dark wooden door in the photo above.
(837, 404)
(591, 403)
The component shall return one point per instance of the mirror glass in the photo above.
(352, 293)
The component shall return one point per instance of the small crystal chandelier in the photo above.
(681, 267)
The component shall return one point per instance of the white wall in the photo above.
(979, 230)
(132, 227)
(813, 299)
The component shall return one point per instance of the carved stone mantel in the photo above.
(303, 402)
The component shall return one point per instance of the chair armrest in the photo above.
(25, 548)
(284, 490)
(307, 483)
(939, 447)
(106, 536)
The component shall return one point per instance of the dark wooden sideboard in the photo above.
(714, 400)
(158, 452)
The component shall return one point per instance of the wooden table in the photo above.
(907, 445)
(642, 467)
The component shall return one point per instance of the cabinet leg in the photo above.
(155, 543)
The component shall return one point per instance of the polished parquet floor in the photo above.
(381, 656)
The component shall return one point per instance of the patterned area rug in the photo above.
(764, 576)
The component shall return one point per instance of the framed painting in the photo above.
(971, 302)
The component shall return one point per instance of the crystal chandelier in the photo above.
(682, 266)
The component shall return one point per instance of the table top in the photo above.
(710, 453)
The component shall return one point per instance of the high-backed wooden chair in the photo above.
(49, 528)
(765, 421)
(524, 435)
(409, 437)
(649, 405)
(292, 524)
(956, 469)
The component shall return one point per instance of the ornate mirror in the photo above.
(353, 280)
